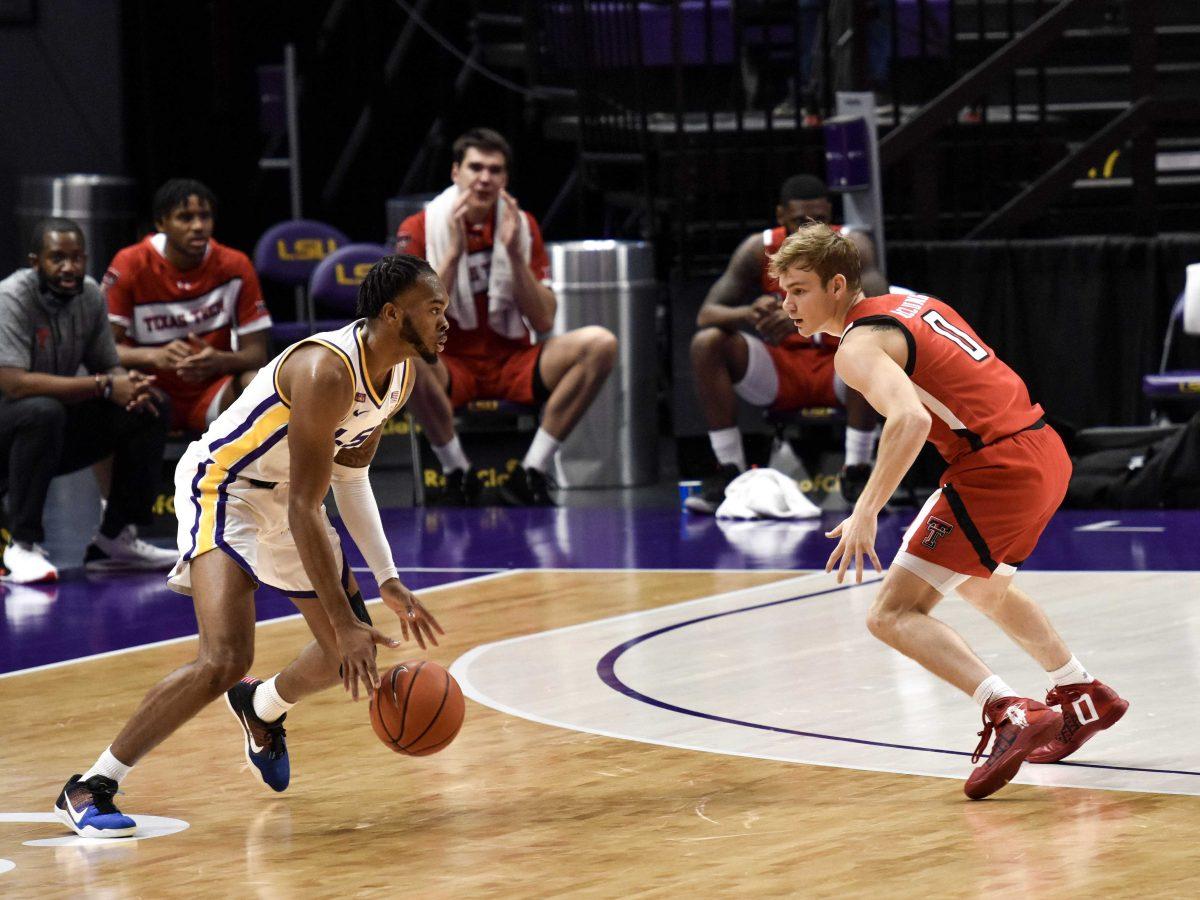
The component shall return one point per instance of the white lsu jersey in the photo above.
(249, 440)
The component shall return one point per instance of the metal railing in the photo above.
(719, 100)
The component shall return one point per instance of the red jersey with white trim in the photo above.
(974, 397)
(480, 342)
(158, 303)
(773, 239)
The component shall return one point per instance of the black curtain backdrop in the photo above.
(1080, 319)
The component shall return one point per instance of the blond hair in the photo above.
(818, 248)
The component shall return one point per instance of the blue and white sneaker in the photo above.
(266, 744)
(86, 807)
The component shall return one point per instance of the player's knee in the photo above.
(602, 349)
(707, 344)
(43, 414)
(882, 622)
(222, 669)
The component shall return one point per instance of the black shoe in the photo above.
(461, 489)
(527, 487)
(266, 742)
(87, 808)
(853, 479)
(541, 483)
(712, 490)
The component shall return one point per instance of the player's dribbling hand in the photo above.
(356, 645)
(856, 540)
(411, 612)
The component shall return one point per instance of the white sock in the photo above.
(451, 456)
(727, 445)
(108, 766)
(1071, 673)
(992, 688)
(541, 451)
(268, 705)
(859, 445)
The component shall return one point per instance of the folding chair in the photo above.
(288, 253)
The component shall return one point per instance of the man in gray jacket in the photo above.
(53, 420)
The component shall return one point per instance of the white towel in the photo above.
(1191, 306)
(504, 315)
(765, 494)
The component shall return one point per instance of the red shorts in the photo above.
(191, 413)
(805, 378)
(992, 507)
(511, 378)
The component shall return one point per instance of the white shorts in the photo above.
(249, 522)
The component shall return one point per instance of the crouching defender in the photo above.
(924, 369)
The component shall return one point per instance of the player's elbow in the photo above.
(543, 321)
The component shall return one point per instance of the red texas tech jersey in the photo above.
(974, 397)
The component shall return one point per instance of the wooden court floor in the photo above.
(518, 809)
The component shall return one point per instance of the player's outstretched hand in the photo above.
(356, 645)
(411, 612)
(856, 539)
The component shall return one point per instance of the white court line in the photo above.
(460, 669)
(439, 569)
(287, 618)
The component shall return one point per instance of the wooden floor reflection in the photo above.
(515, 808)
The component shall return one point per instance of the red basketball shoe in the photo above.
(1086, 709)
(1020, 725)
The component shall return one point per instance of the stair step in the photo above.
(513, 55)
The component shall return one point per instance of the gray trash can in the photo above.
(611, 283)
(103, 205)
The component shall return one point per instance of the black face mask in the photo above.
(45, 285)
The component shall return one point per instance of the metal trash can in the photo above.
(611, 283)
(103, 205)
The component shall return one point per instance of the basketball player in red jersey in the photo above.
(176, 299)
(931, 377)
(746, 347)
(491, 259)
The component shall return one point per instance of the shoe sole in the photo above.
(254, 770)
(1106, 721)
(1029, 740)
(88, 831)
(45, 579)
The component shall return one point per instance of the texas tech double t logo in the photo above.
(935, 530)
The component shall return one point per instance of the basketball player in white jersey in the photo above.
(250, 501)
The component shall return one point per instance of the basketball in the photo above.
(418, 708)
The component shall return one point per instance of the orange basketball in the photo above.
(418, 708)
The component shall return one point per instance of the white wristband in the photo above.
(358, 509)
